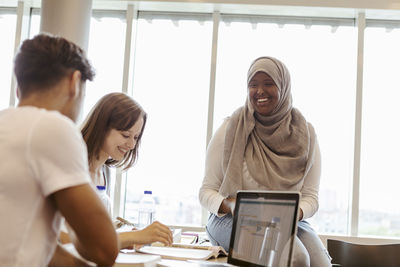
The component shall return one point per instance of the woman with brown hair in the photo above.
(112, 132)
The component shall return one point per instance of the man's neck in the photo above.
(51, 99)
(39, 103)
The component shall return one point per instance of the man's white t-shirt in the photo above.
(41, 152)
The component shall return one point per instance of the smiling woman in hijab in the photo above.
(266, 144)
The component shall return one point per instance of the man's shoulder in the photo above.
(46, 120)
(56, 126)
(32, 114)
(54, 117)
(44, 125)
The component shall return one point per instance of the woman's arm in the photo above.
(62, 257)
(156, 232)
(227, 206)
(309, 192)
(152, 233)
(208, 194)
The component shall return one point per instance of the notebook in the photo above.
(263, 230)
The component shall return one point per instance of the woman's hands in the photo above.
(301, 214)
(155, 232)
(227, 205)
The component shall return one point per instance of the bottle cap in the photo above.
(148, 192)
(101, 187)
(276, 219)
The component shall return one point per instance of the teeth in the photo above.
(262, 100)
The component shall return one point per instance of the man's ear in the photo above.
(74, 84)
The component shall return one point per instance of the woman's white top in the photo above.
(211, 199)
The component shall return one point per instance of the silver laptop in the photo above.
(263, 231)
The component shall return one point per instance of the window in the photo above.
(380, 146)
(8, 21)
(105, 52)
(35, 23)
(171, 81)
(322, 63)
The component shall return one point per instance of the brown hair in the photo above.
(113, 111)
(43, 61)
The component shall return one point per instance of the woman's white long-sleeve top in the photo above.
(211, 199)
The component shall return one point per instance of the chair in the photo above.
(355, 255)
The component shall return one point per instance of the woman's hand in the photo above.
(300, 214)
(155, 232)
(227, 205)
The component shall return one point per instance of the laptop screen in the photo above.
(263, 229)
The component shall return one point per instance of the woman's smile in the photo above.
(262, 101)
(123, 150)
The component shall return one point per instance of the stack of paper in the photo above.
(137, 260)
(184, 252)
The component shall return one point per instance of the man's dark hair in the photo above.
(45, 60)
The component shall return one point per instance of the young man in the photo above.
(43, 160)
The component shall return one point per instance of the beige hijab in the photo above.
(278, 148)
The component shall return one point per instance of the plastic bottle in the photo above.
(101, 191)
(270, 243)
(147, 209)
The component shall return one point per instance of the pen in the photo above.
(124, 221)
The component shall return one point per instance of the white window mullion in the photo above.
(131, 23)
(211, 96)
(357, 136)
(21, 33)
(120, 179)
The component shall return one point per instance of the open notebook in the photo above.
(185, 252)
